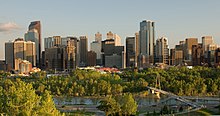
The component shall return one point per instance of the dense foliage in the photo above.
(179, 80)
(19, 98)
(124, 105)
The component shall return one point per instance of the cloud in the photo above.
(7, 27)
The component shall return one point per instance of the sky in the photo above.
(174, 19)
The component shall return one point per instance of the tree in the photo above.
(128, 104)
(19, 98)
(110, 106)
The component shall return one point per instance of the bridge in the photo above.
(170, 95)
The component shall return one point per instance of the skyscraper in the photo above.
(19, 49)
(162, 51)
(136, 48)
(188, 49)
(130, 51)
(98, 37)
(32, 35)
(36, 25)
(96, 47)
(146, 43)
(83, 50)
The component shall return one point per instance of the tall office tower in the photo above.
(117, 40)
(217, 57)
(20, 49)
(178, 54)
(162, 51)
(112, 56)
(9, 54)
(48, 42)
(57, 40)
(211, 54)
(197, 56)
(188, 49)
(146, 43)
(83, 50)
(96, 47)
(136, 48)
(76, 45)
(70, 54)
(91, 58)
(130, 52)
(31, 52)
(55, 58)
(172, 57)
(98, 37)
(36, 25)
(206, 40)
(32, 35)
(110, 35)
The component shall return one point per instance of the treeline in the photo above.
(181, 80)
(88, 83)
(178, 80)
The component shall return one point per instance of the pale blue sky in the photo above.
(174, 19)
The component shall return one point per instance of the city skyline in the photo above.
(176, 20)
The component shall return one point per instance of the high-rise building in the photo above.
(19, 49)
(110, 35)
(9, 54)
(96, 47)
(91, 58)
(52, 41)
(146, 43)
(130, 51)
(136, 48)
(98, 37)
(178, 54)
(55, 58)
(162, 51)
(117, 39)
(83, 50)
(172, 57)
(36, 25)
(206, 40)
(188, 49)
(33, 36)
(197, 55)
(112, 56)
(70, 54)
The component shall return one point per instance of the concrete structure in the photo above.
(112, 56)
(188, 49)
(33, 36)
(20, 49)
(197, 55)
(52, 41)
(162, 51)
(96, 47)
(25, 67)
(116, 38)
(9, 54)
(130, 52)
(37, 26)
(83, 50)
(172, 57)
(55, 58)
(98, 37)
(136, 48)
(179, 55)
(91, 58)
(146, 43)
(70, 58)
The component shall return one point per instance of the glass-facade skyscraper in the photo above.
(146, 43)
